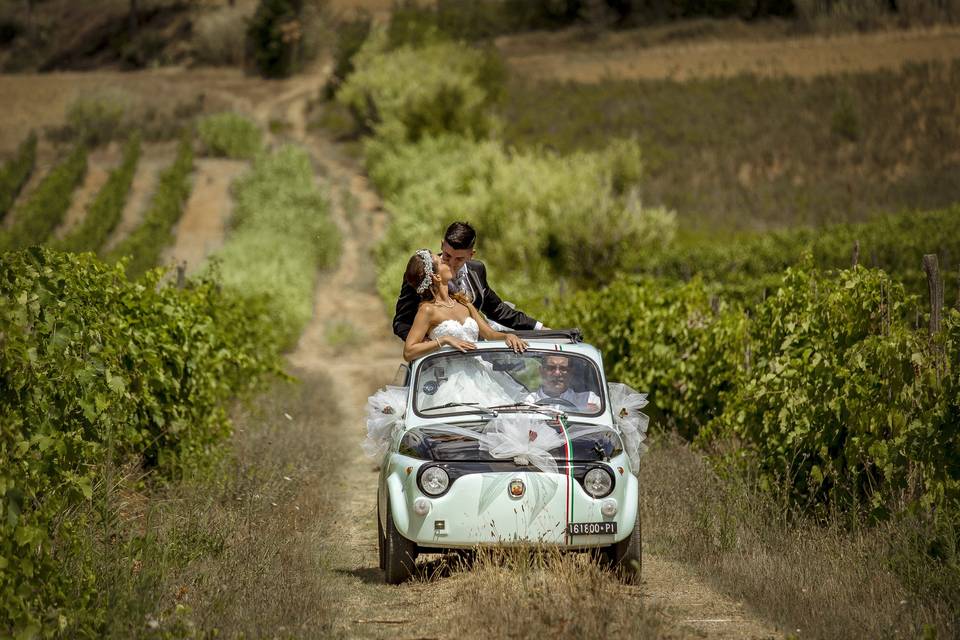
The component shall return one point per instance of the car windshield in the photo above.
(473, 382)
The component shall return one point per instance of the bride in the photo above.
(445, 319)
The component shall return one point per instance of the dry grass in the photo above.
(520, 593)
(827, 580)
(236, 554)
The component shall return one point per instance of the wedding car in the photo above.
(493, 447)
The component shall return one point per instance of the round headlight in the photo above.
(434, 481)
(598, 482)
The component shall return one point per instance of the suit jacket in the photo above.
(476, 287)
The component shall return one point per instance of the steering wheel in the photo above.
(557, 401)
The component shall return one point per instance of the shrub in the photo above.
(98, 371)
(146, 243)
(825, 388)
(44, 209)
(541, 216)
(105, 211)
(351, 34)
(219, 36)
(15, 173)
(281, 235)
(99, 117)
(409, 93)
(284, 34)
(230, 135)
(844, 402)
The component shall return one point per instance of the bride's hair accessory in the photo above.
(427, 258)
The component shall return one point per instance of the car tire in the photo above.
(381, 542)
(399, 555)
(626, 557)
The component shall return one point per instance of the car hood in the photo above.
(436, 444)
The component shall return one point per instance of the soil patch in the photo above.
(201, 228)
(99, 165)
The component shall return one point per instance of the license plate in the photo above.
(591, 528)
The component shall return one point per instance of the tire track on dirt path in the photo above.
(365, 606)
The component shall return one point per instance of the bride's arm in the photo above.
(489, 333)
(414, 346)
(417, 345)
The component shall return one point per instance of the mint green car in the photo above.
(503, 448)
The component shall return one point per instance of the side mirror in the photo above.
(402, 377)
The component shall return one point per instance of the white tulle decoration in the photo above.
(525, 440)
(632, 423)
(385, 411)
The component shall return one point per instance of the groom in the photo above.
(456, 250)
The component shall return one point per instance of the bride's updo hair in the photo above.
(414, 275)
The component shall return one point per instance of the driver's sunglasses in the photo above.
(556, 367)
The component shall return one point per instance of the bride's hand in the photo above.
(457, 343)
(514, 342)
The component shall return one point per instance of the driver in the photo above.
(555, 375)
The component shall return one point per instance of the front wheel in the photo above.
(399, 554)
(626, 557)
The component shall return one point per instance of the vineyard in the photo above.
(178, 439)
(109, 363)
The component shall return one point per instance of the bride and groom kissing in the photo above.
(444, 298)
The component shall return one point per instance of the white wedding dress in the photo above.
(469, 379)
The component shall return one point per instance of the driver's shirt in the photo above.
(584, 400)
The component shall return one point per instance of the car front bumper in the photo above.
(478, 509)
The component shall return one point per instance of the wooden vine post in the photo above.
(855, 258)
(181, 274)
(935, 286)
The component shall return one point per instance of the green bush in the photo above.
(15, 172)
(37, 217)
(105, 211)
(281, 235)
(409, 93)
(99, 372)
(825, 387)
(146, 243)
(542, 217)
(844, 402)
(351, 34)
(230, 135)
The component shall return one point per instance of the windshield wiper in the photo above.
(473, 406)
(536, 408)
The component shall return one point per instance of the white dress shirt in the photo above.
(583, 400)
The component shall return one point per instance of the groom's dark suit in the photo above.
(477, 289)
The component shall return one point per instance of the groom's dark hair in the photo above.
(460, 235)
